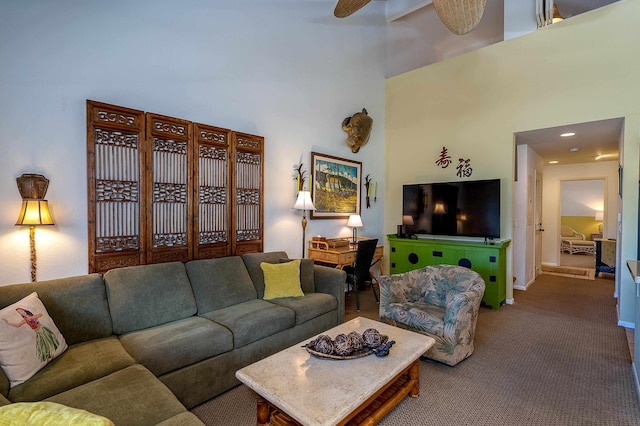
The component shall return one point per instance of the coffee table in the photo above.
(295, 387)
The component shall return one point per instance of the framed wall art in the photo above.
(336, 186)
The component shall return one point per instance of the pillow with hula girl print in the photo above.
(29, 339)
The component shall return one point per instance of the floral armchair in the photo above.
(441, 302)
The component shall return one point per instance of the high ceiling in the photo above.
(593, 140)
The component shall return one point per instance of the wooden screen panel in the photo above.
(248, 193)
(115, 159)
(169, 201)
(212, 192)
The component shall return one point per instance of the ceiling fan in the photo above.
(460, 16)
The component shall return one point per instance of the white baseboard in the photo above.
(636, 380)
(509, 302)
(626, 324)
(524, 287)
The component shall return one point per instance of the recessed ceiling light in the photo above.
(553, 162)
(574, 149)
(564, 135)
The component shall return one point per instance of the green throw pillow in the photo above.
(281, 279)
(48, 414)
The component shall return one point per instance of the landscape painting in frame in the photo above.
(336, 186)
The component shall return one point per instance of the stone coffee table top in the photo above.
(317, 391)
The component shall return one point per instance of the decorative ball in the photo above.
(342, 345)
(357, 342)
(324, 345)
(372, 337)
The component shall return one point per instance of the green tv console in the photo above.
(489, 260)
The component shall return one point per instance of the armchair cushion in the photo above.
(568, 233)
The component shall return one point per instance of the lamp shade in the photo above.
(439, 208)
(34, 212)
(407, 219)
(599, 215)
(303, 202)
(355, 221)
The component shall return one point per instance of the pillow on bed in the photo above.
(29, 339)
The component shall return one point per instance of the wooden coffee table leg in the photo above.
(264, 412)
(414, 374)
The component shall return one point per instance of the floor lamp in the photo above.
(304, 203)
(34, 211)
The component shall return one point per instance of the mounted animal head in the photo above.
(358, 128)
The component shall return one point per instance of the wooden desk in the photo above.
(340, 256)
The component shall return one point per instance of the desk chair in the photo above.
(359, 273)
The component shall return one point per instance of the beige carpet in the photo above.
(554, 357)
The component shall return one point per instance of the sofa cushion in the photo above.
(252, 262)
(310, 306)
(48, 414)
(253, 320)
(218, 283)
(307, 274)
(145, 296)
(29, 339)
(78, 305)
(281, 279)
(81, 363)
(131, 396)
(169, 347)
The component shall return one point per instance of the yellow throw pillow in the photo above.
(48, 414)
(281, 279)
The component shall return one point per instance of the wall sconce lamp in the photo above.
(34, 211)
(355, 221)
(599, 216)
(304, 203)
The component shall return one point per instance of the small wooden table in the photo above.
(295, 387)
(339, 256)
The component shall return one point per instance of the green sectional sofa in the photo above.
(147, 343)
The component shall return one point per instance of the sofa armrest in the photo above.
(331, 281)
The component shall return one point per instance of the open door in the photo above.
(538, 224)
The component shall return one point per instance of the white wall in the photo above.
(285, 69)
(524, 216)
(582, 197)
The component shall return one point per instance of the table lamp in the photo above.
(34, 211)
(355, 221)
(304, 203)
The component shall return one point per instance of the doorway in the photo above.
(582, 210)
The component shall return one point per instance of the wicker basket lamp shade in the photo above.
(32, 186)
(345, 8)
(460, 16)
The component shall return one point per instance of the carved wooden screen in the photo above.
(169, 203)
(115, 159)
(212, 192)
(248, 202)
(164, 189)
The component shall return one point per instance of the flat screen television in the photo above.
(461, 209)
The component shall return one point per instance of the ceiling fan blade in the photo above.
(345, 8)
(460, 16)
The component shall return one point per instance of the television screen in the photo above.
(464, 208)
